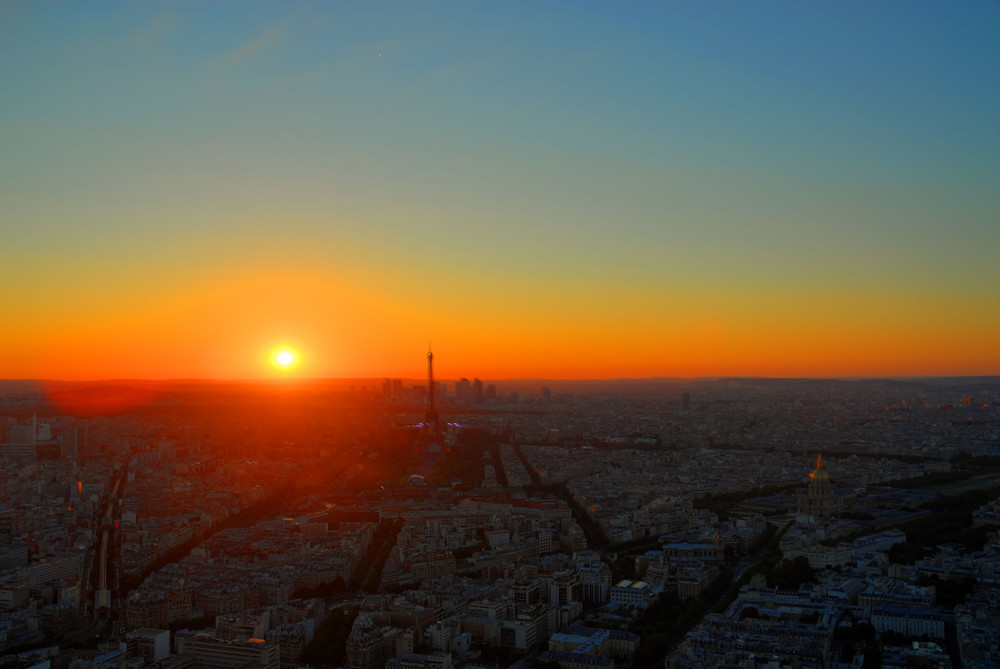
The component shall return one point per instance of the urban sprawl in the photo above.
(683, 524)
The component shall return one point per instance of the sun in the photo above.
(285, 358)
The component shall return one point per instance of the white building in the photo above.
(633, 593)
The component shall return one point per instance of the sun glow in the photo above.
(285, 358)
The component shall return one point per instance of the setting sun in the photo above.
(285, 358)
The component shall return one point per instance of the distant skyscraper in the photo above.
(463, 390)
(686, 401)
(21, 434)
(477, 391)
(20, 441)
(86, 440)
(432, 417)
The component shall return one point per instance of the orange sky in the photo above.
(345, 326)
(576, 191)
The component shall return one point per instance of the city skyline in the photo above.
(577, 192)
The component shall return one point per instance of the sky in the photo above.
(534, 189)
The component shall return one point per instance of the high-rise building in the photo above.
(20, 441)
(86, 439)
(13, 552)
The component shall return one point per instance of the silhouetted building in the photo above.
(432, 417)
(86, 440)
(20, 440)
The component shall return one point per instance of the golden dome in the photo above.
(819, 474)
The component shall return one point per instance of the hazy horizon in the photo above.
(528, 379)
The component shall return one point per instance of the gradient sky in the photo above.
(578, 190)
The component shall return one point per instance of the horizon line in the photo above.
(291, 379)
